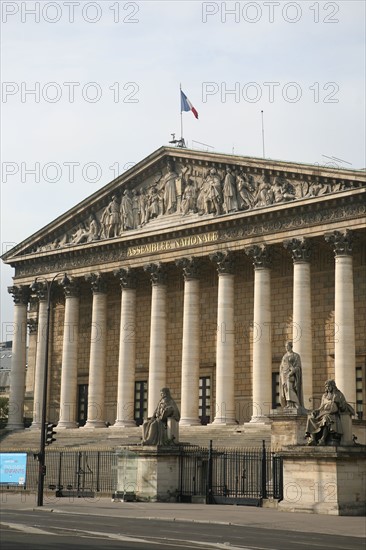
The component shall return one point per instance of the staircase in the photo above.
(111, 438)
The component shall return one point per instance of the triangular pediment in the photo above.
(174, 186)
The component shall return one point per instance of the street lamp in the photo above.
(38, 283)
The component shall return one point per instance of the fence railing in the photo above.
(222, 475)
(218, 475)
(79, 471)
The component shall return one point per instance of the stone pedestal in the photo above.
(152, 472)
(287, 428)
(324, 480)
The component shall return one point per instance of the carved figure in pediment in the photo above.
(94, 229)
(316, 189)
(189, 198)
(170, 189)
(152, 210)
(214, 195)
(203, 199)
(282, 190)
(142, 200)
(81, 234)
(245, 191)
(110, 220)
(135, 209)
(229, 192)
(263, 195)
(126, 211)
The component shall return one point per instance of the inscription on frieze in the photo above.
(173, 244)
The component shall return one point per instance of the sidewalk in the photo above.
(239, 515)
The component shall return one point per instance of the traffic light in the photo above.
(50, 432)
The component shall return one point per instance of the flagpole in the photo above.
(181, 113)
(264, 156)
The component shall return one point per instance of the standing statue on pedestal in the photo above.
(291, 392)
(155, 429)
(325, 422)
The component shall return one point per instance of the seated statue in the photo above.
(154, 429)
(325, 422)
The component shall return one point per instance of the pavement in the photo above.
(267, 518)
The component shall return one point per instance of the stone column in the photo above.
(225, 341)
(40, 356)
(344, 316)
(97, 362)
(262, 344)
(127, 350)
(302, 337)
(68, 396)
(191, 343)
(18, 361)
(32, 347)
(157, 361)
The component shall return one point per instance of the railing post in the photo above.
(209, 496)
(264, 471)
(98, 472)
(59, 471)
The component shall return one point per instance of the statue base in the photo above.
(287, 428)
(148, 473)
(324, 480)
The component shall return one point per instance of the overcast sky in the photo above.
(90, 87)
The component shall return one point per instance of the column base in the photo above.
(63, 425)
(14, 426)
(91, 424)
(124, 424)
(189, 422)
(35, 426)
(224, 421)
(258, 420)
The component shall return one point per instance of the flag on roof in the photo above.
(186, 105)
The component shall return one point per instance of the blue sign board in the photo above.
(13, 468)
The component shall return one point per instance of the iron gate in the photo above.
(230, 476)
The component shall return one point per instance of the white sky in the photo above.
(145, 54)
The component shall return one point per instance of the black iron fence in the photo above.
(214, 475)
(230, 476)
(79, 472)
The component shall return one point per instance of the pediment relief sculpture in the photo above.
(182, 189)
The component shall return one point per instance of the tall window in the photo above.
(140, 401)
(359, 393)
(276, 390)
(205, 399)
(82, 404)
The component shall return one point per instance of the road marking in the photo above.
(27, 528)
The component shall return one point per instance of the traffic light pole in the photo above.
(42, 453)
(41, 456)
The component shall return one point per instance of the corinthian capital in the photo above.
(261, 255)
(71, 288)
(127, 277)
(341, 241)
(20, 294)
(224, 261)
(158, 274)
(189, 266)
(97, 282)
(300, 249)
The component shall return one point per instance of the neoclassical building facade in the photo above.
(192, 270)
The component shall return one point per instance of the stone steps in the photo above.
(111, 438)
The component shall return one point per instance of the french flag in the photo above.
(186, 105)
